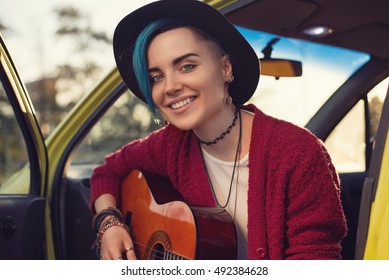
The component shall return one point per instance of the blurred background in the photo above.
(61, 48)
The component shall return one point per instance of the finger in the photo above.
(113, 254)
(130, 253)
(116, 256)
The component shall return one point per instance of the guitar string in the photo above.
(177, 257)
(137, 245)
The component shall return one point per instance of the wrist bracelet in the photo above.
(105, 226)
(99, 217)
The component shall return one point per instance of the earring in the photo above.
(231, 79)
(229, 100)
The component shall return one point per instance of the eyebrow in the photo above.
(175, 61)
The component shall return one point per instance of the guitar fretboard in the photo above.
(168, 255)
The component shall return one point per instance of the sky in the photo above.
(32, 24)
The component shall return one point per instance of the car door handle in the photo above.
(8, 228)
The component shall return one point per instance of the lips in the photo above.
(182, 103)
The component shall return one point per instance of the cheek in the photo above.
(215, 84)
(156, 96)
(210, 78)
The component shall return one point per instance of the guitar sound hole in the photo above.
(158, 252)
(157, 245)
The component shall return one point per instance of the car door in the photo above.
(373, 226)
(23, 169)
(350, 142)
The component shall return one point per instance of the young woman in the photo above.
(277, 181)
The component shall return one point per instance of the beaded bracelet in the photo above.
(105, 226)
(99, 217)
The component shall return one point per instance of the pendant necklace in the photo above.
(235, 168)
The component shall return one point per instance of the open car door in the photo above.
(373, 227)
(23, 169)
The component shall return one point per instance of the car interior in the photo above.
(366, 30)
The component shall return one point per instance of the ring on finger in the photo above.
(129, 249)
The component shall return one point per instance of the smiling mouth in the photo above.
(182, 103)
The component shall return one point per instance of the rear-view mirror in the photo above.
(277, 67)
(280, 67)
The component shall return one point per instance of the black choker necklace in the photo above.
(224, 133)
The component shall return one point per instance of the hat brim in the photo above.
(244, 60)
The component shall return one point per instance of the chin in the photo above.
(183, 125)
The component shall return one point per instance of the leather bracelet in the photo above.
(99, 217)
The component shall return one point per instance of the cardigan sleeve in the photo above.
(315, 222)
(146, 154)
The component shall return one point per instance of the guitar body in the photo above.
(162, 226)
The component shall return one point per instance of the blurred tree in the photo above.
(3, 27)
(80, 69)
(375, 110)
(127, 119)
(13, 153)
(43, 96)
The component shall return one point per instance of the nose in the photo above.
(173, 85)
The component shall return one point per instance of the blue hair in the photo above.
(139, 58)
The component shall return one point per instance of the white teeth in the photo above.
(182, 103)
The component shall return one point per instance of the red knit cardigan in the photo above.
(294, 209)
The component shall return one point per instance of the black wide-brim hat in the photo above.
(244, 60)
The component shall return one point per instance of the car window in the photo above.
(350, 156)
(13, 150)
(127, 119)
(347, 142)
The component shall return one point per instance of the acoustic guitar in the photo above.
(163, 227)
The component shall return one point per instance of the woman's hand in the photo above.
(117, 244)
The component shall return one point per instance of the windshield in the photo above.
(296, 99)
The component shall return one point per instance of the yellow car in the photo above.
(325, 66)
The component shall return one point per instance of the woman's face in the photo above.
(188, 77)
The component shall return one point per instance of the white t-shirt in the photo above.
(220, 173)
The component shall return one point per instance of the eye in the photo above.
(156, 78)
(188, 67)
